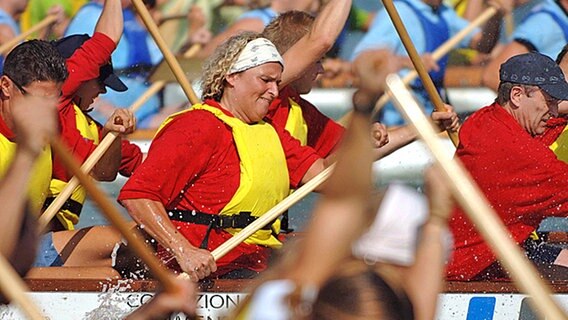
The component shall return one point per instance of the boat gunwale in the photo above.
(240, 285)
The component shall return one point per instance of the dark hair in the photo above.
(35, 60)
(562, 54)
(358, 292)
(151, 4)
(504, 91)
(288, 28)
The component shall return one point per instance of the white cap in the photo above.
(392, 238)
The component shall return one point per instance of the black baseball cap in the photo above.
(538, 70)
(67, 46)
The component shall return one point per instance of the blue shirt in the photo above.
(7, 19)
(545, 28)
(383, 35)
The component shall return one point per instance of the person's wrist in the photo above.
(31, 149)
(438, 219)
(364, 101)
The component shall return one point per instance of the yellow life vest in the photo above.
(560, 146)
(264, 179)
(88, 129)
(296, 124)
(41, 172)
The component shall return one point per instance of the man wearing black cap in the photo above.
(520, 176)
(90, 73)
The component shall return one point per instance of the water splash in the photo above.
(111, 305)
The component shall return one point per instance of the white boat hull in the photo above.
(114, 305)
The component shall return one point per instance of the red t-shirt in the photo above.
(323, 133)
(83, 66)
(193, 164)
(520, 176)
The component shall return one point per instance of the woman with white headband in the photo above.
(215, 168)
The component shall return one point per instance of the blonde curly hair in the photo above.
(216, 67)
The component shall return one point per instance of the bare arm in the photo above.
(6, 34)
(123, 122)
(111, 22)
(486, 40)
(35, 121)
(343, 211)
(311, 47)
(14, 196)
(491, 72)
(197, 263)
(425, 279)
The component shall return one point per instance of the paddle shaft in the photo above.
(476, 206)
(417, 62)
(114, 216)
(170, 58)
(87, 166)
(15, 289)
(271, 214)
(40, 25)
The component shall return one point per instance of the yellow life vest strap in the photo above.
(296, 124)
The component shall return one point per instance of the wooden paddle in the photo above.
(40, 25)
(170, 58)
(476, 205)
(114, 216)
(417, 62)
(15, 289)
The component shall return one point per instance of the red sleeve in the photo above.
(299, 159)
(131, 158)
(86, 61)
(83, 65)
(323, 133)
(177, 157)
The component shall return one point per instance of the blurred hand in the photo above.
(380, 134)
(201, 36)
(58, 11)
(121, 121)
(35, 121)
(372, 67)
(429, 62)
(446, 120)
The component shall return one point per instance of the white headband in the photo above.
(256, 52)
